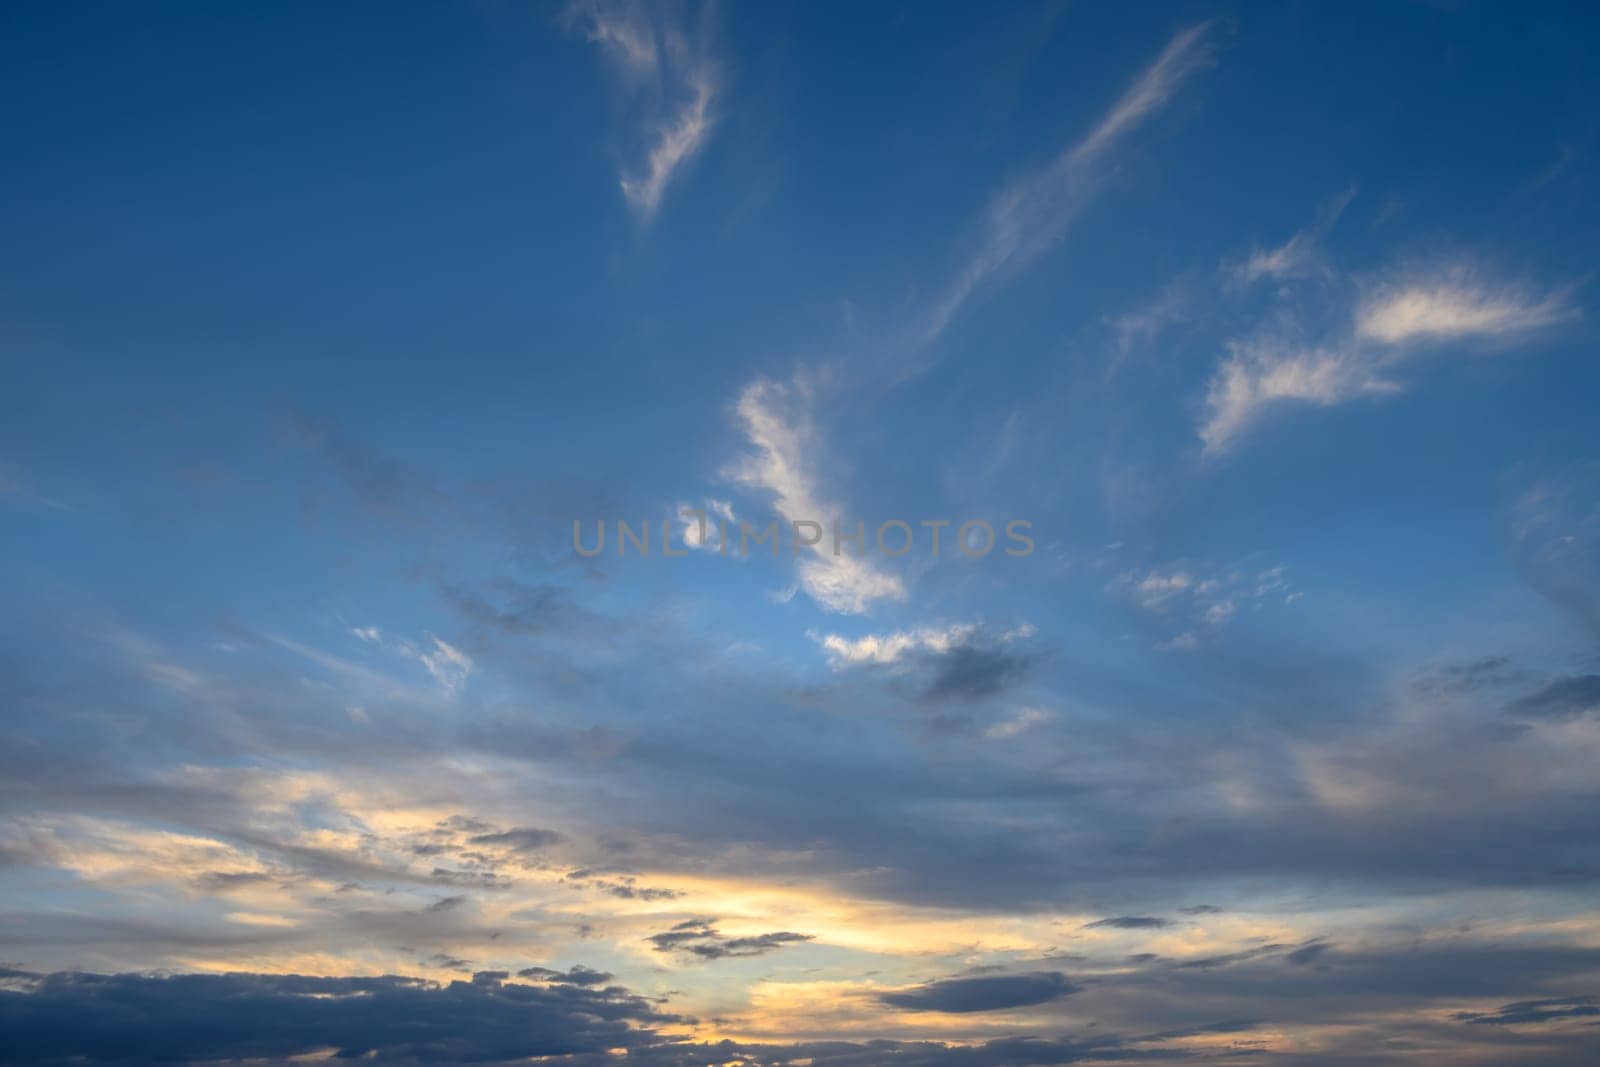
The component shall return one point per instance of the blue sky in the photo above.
(323, 326)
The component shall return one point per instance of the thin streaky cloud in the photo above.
(1297, 257)
(1027, 218)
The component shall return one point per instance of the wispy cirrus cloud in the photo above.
(666, 68)
(1023, 222)
(1260, 373)
(1287, 362)
(1028, 217)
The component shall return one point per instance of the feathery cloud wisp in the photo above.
(1389, 326)
(1442, 310)
(1028, 217)
(1261, 373)
(667, 68)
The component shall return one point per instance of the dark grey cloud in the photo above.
(699, 937)
(226, 881)
(1226, 958)
(984, 993)
(520, 839)
(520, 609)
(1129, 922)
(1527, 1012)
(1564, 698)
(973, 672)
(1308, 953)
(480, 879)
(1471, 676)
(623, 886)
(576, 975)
(61, 1017)
(378, 483)
(1385, 998)
(1002, 1052)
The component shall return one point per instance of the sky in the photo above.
(1260, 336)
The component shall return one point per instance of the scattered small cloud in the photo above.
(1018, 724)
(448, 664)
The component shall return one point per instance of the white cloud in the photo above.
(708, 520)
(1260, 374)
(1278, 367)
(448, 664)
(1028, 217)
(369, 634)
(882, 649)
(1155, 588)
(776, 419)
(888, 648)
(1443, 310)
(1189, 601)
(667, 68)
(1020, 723)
